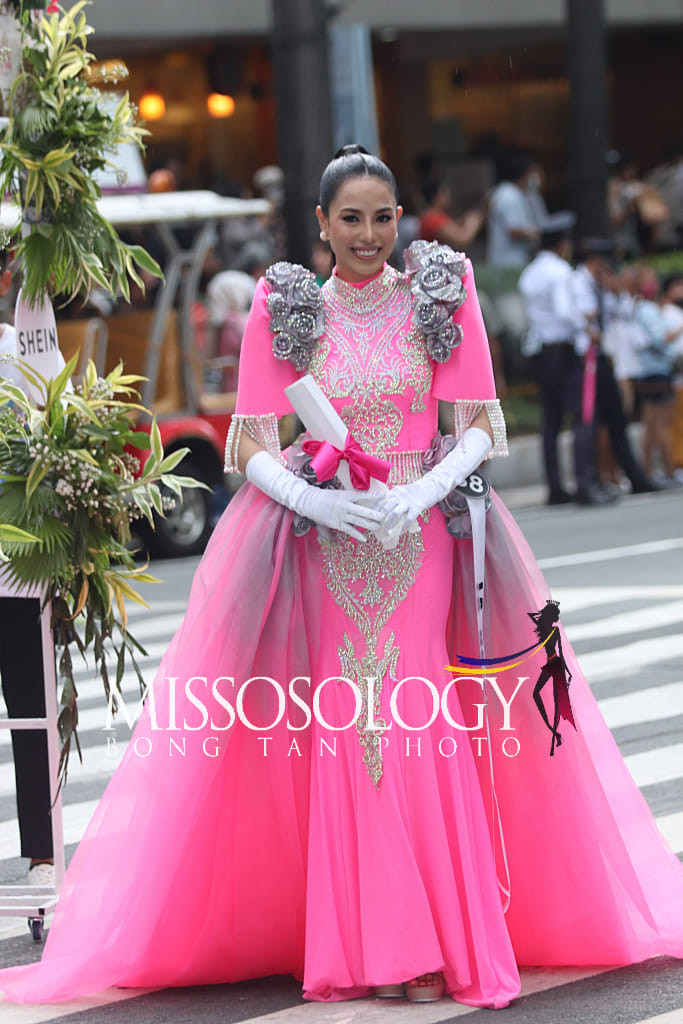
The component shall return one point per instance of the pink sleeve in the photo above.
(468, 374)
(262, 377)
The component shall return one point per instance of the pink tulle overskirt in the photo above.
(222, 851)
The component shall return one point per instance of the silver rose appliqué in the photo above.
(436, 274)
(297, 316)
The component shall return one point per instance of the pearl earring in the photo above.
(323, 236)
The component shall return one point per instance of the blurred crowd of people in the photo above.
(605, 346)
(603, 340)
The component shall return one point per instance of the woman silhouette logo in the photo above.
(545, 623)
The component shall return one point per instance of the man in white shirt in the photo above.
(598, 305)
(515, 210)
(555, 343)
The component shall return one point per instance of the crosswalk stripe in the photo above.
(26, 1013)
(650, 705)
(99, 764)
(652, 547)
(629, 659)
(651, 767)
(139, 611)
(367, 1011)
(671, 827)
(75, 818)
(155, 625)
(383, 1011)
(673, 1017)
(625, 623)
(574, 599)
(357, 1011)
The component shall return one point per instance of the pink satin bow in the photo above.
(362, 466)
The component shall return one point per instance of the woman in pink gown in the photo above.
(243, 836)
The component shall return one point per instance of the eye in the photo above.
(350, 218)
(384, 218)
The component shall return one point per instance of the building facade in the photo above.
(463, 78)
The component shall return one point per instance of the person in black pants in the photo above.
(591, 278)
(21, 669)
(609, 411)
(559, 373)
(556, 330)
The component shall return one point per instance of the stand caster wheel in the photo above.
(35, 925)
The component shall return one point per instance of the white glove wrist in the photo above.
(468, 454)
(405, 503)
(336, 509)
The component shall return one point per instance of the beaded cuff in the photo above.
(466, 410)
(436, 274)
(297, 315)
(262, 429)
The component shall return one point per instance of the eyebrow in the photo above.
(351, 209)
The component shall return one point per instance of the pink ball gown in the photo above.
(237, 842)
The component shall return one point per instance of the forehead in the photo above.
(364, 192)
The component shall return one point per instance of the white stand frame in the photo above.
(35, 901)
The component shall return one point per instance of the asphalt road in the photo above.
(618, 573)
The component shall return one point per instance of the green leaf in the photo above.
(8, 532)
(170, 462)
(155, 495)
(155, 437)
(140, 440)
(144, 260)
(84, 407)
(38, 472)
(190, 481)
(61, 380)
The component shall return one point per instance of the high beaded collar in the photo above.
(363, 297)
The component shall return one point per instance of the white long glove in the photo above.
(401, 507)
(339, 510)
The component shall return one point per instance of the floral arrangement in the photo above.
(59, 135)
(71, 483)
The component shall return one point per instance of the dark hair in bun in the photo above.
(352, 162)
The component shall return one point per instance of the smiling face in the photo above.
(361, 226)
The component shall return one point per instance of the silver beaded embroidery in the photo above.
(369, 583)
(370, 667)
(370, 351)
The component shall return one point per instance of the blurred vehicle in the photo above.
(160, 344)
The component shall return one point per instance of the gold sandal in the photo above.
(428, 988)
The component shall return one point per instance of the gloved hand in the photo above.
(401, 507)
(339, 510)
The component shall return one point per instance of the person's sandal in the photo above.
(389, 991)
(428, 988)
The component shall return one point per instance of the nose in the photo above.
(367, 229)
